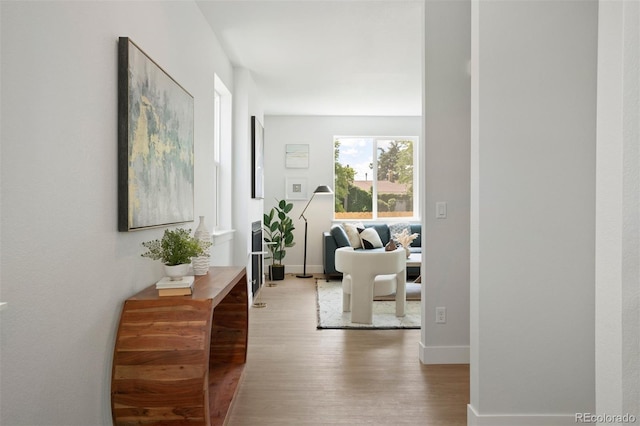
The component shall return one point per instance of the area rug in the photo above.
(414, 291)
(330, 315)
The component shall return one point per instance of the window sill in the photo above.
(222, 236)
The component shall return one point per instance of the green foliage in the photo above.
(176, 247)
(383, 206)
(396, 163)
(344, 176)
(278, 228)
(392, 204)
(405, 164)
(396, 201)
(387, 162)
(359, 200)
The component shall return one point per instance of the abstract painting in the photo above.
(155, 144)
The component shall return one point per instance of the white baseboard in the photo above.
(475, 419)
(444, 354)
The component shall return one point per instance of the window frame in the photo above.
(222, 151)
(417, 214)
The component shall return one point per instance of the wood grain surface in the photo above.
(298, 375)
(179, 360)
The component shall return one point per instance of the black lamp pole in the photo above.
(322, 189)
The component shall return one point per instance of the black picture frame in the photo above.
(257, 158)
(155, 144)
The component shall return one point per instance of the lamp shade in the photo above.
(323, 189)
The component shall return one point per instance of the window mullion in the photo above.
(374, 179)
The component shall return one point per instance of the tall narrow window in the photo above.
(222, 155)
(375, 177)
(217, 140)
(217, 120)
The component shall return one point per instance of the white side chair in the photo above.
(371, 273)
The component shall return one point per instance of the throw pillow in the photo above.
(352, 233)
(370, 238)
(397, 228)
(340, 236)
(383, 232)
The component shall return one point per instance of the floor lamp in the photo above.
(322, 190)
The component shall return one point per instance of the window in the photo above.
(221, 154)
(217, 140)
(375, 177)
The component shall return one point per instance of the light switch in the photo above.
(441, 210)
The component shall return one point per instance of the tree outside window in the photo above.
(374, 177)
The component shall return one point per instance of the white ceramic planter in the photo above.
(176, 272)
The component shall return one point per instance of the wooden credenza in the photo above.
(179, 360)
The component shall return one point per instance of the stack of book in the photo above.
(181, 287)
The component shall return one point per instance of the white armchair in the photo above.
(371, 273)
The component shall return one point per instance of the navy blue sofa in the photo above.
(337, 237)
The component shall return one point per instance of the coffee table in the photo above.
(415, 259)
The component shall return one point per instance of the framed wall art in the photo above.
(297, 156)
(155, 144)
(296, 188)
(257, 158)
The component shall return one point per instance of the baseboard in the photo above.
(444, 354)
(475, 419)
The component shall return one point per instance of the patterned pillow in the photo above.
(352, 233)
(370, 238)
(397, 228)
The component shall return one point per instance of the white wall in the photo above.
(618, 210)
(533, 211)
(318, 132)
(447, 133)
(65, 269)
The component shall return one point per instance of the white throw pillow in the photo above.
(370, 238)
(351, 229)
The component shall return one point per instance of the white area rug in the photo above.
(330, 315)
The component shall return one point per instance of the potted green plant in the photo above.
(278, 228)
(175, 250)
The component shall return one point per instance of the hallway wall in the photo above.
(65, 269)
(533, 211)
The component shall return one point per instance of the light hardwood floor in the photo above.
(298, 375)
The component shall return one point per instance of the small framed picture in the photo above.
(296, 188)
(297, 156)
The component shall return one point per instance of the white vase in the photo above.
(201, 263)
(176, 272)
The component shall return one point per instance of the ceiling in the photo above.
(326, 57)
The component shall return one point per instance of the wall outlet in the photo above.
(441, 315)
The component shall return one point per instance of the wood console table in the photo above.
(179, 359)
